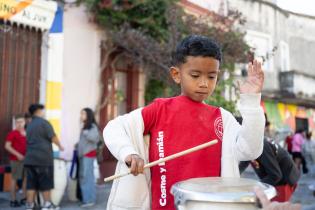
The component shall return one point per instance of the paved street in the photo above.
(302, 195)
(102, 195)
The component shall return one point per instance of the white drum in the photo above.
(215, 193)
(60, 180)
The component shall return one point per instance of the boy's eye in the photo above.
(194, 75)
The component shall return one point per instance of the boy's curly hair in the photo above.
(196, 45)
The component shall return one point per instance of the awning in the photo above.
(36, 13)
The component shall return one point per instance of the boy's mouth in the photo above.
(202, 93)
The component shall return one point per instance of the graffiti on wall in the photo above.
(283, 115)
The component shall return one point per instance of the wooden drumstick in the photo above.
(162, 160)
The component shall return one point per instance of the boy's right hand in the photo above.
(135, 163)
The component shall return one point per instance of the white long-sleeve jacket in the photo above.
(124, 136)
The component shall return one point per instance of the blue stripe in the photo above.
(57, 26)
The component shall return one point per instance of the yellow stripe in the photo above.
(53, 95)
(56, 125)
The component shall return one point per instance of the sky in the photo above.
(299, 6)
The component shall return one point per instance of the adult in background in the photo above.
(39, 158)
(297, 142)
(308, 152)
(87, 146)
(16, 146)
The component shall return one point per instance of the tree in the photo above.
(147, 31)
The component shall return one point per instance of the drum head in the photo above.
(217, 189)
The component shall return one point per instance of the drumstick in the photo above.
(162, 160)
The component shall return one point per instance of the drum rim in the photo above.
(181, 196)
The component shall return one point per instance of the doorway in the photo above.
(301, 124)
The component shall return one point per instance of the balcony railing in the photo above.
(297, 84)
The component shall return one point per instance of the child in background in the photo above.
(16, 146)
(179, 123)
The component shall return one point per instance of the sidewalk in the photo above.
(302, 195)
(101, 200)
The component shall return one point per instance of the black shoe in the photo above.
(23, 202)
(14, 204)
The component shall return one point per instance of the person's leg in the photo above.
(87, 184)
(46, 196)
(31, 186)
(304, 166)
(24, 187)
(297, 162)
(17, 173)
(13, 189)
(46, 184)
(92, 180)
(14, 178)
(30, 196)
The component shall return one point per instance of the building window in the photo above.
(262, 46)
(284, 56)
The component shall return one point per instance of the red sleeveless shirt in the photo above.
(176, 124)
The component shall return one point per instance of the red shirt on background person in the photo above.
(288, 141)
(17, 139)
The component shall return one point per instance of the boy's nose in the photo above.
(203, 83)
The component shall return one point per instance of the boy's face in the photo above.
(19, 123)
(197, 76)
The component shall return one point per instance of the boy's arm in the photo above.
(245, 142)
(10, 149)
(120, 143)
(116, 138)
(249, 143)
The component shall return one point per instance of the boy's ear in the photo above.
(174, 71)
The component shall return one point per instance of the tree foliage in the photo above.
(147, 31)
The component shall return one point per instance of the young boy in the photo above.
(179, 123)
(16, 146)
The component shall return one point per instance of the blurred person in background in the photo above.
(288, 143)
(297, 142)
(275, 167)
(87, 152)
(16, 146)
(308, 151)
(39, 165)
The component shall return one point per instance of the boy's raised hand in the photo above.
(135, 163)
(255, 79)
